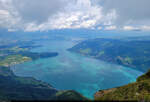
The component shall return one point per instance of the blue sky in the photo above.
(44, 15)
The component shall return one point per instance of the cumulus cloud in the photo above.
(80, 14)
(8, 16)
(110, 27)
(18, 13)
(99, 28)
(38, 10)
(129, 11)
(144, 27)
(139, 28)
(130, 28)
(35, 15)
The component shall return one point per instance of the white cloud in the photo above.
(12, 30)
(110, 28)
(130, 12)
(145, 27)
(99, 28)
(7, 20)
(110, 17)
(34, 15)
(139, 28)
(8, 16)
(4, 13)
(80, 14)
(130, 28)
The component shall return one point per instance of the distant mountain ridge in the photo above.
(127, 52)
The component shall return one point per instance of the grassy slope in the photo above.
(140, 90)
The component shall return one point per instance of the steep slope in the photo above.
(138, 91)
(69, 95)
(130, 53)
(21, 88)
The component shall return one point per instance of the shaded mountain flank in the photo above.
(27, 88)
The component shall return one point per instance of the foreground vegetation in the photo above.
(138, 91)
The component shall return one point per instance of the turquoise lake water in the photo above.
(73, 71)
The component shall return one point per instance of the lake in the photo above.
(72, 71)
